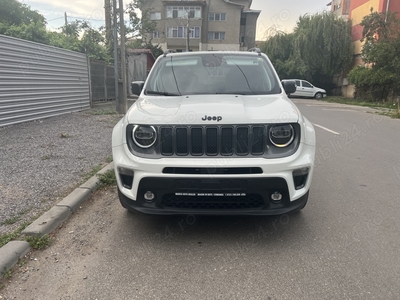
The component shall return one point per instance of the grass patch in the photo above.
(92, 172)
(389, 109)
(45, 157)
(107, 179)
(7, 237)
(38, 242)
(344, 100)
(109, 159)
(10, 221)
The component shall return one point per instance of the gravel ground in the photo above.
(43, 161)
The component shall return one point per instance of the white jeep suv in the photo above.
(213, 133)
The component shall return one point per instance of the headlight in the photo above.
(144, 136)
(281, 135)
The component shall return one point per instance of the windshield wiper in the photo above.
(160, 93)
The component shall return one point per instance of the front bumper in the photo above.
(233, 194)
(195, 196)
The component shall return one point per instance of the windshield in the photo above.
(212, 73)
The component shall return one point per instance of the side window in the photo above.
(306, 84)
(298, 83)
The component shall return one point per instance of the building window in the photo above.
(217, 17)
(155, 16)
(216, 35)
(180, 32)
(155, 34)
(179, 12)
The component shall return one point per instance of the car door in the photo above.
(307, 89)
(299, 91)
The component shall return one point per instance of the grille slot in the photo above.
(211, 141)
(197, 141)
(242, 141)
(181, 141)
(166, 141)
(251, 201)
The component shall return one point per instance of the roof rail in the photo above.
(168, 51)
(255, 50)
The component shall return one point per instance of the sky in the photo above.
(275, 14)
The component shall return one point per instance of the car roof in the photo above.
(194, 53)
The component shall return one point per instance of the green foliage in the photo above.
(13, 12)
(381, 51)
(107, 179)
(81, 37)
(7, 237)
(139, 28)
(38, 242)
(18, 20)
(319, 48)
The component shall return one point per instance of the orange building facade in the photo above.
(356, 10)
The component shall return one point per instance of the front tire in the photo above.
(318, 96)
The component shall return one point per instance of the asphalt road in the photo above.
(344, 245)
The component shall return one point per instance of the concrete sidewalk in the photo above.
(49, 221)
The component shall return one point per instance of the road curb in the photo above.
(49, 221)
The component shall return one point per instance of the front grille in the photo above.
(251, 201)
(213, 140)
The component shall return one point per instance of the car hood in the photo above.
(212, 109)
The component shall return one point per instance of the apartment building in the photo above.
(356, 10)
(211, 24)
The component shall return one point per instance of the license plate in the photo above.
(211, 194)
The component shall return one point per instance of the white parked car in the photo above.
(306, 89)
(213, 133)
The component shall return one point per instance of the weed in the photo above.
(7, 237)
(10, 221)
(45, 157)
(107, 179)
(21, 262)
(6, 273)
(109, 159)
(38, 242)
(344, 100)
(92, 172)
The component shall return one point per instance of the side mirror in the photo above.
(289, 86)
(137, 87)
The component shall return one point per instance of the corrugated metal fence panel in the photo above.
(39, 81)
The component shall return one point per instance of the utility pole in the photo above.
(387, 9)
(115, 51)
(187, 31)
(109, 35)
(122, 104)
(65, 19)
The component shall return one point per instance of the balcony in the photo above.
(183, 2)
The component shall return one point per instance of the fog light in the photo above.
(276, 197)
(149, 196)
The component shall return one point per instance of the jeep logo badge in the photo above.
(212, 118)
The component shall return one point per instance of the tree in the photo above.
(81, 37)
(141, 27)
(319, 49)
(18, 20)
(381, 51)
